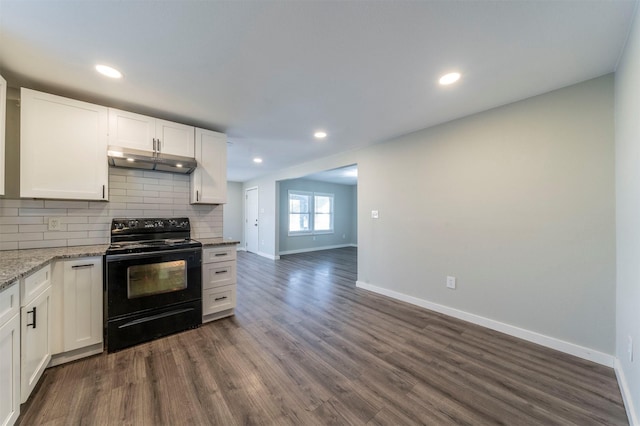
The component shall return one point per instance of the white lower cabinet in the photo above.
(76, 310)
(82, 301)
(218, 282)
(218, 299)
(35, 346)
(9, 355)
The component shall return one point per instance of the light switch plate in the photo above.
(451, 282)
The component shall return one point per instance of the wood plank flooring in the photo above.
(306, 347)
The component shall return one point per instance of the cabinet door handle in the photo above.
(103, 188)
(197, 194)
(159, 146)
(221, 254)
(33, 311)
(154, 144)
(222, 272)
(86, 265)
(220, 298)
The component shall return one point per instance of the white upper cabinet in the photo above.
(129, 130)
(136, 131)
(174, 138)
(3, 113)
(63, 148)
(209, 179)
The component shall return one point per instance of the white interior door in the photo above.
(252, 227)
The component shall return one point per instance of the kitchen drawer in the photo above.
(219, 254)
(218, 299)
(34, 284)
(9, 303)
(218, 274)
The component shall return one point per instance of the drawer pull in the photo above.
(86, 265)
(221, 254)
(222, 272)
(33, 311)
(220, 298)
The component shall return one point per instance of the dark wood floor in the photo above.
(307, 347)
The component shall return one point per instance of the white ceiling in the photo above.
(270, 73)
(347, 175)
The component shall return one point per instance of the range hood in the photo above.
(145, 160)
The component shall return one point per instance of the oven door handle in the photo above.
(127, 256)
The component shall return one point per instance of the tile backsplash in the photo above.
(132, 193)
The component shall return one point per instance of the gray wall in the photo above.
(628, 217)
(234, 213)
(516, 202)
(344, 217)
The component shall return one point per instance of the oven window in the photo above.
(156, 278)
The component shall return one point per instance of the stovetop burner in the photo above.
(150, 234)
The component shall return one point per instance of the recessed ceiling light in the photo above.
(108, 71)
(178, 165)
(320, 135)
(131, 160)
(450, 78)
(257, 160)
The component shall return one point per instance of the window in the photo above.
(310, 213)
(323, 212)
(299, 212)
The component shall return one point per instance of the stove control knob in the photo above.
(148, 224)
(184, 224)
(133, 224)
(159, 224)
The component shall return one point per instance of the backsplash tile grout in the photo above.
(132, 193)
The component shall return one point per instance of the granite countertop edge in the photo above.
(16, 264)
(213, 242)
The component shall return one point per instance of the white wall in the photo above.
(627, 96)
(233, 211)
(516, 202)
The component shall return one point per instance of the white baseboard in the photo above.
(309, 249)
(531, 336)
(239, 248)
(267, 255)
(632, 415)
(76, 354)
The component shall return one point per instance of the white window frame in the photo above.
(331, 213)
(311, 212)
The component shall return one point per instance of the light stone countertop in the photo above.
(15, 264)
(213, 242)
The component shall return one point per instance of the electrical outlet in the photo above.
(451, 282)
(630, 349)
(374, 214)
(55, 224)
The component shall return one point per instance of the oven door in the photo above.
(144, 281)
